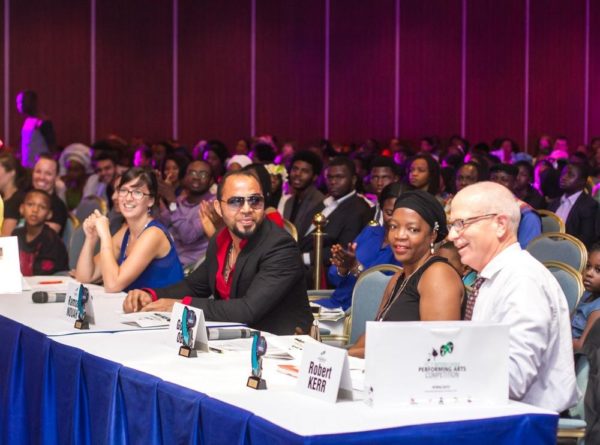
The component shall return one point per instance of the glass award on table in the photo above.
(83, 295)
(186, 333)
(259, 348)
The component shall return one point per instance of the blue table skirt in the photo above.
(56, 394)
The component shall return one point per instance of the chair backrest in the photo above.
(560, 247)
(366, 296)
(290, 228)
(582, 372)
(87, 206)
(570, 281)
(551, 222)
(74, 247)
(70, 225)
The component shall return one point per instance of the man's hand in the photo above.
(161, 305)
(344, 260)
(136, 300)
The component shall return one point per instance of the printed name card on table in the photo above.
(324, 373)
(187, 330)
(436, 363)
(74, 308)
(10, 266)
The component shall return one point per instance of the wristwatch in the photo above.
(358, 269)
(172, 207)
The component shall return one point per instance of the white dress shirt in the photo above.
(566, 204)
(522, 293)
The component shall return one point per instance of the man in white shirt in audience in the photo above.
(516, 289)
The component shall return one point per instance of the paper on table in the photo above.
(147, 319)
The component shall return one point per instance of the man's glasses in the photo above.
(198, 174)
(256, 202)
(135, 194)
(460, 224)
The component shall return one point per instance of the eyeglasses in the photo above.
(198, 174)
(460, 224)
(256, 202)
(135, 194)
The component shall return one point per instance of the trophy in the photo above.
(259, 348)
(186, 333)
(83, 294)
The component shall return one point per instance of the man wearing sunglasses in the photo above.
(514, 288)
(253, 268)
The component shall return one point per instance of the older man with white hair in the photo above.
(516, 289)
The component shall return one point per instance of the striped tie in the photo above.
(472, 297)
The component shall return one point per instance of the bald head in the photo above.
(490, 218)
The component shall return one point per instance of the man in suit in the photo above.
(576, 208)
(346, 212)
(299, 208)
(252, 268)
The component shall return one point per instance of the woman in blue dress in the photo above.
(370, 248)
(587, 311)
(141, 254)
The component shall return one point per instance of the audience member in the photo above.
(237, 162)
(252, 268)
(173, 172)
(279, 176)
(588, 309)
(370, 248)
(577, 209)
(300, 206)
(424, 174)
(45, 173)
(142, 157)
(382, 173)
(523, 188)
(41, 251)
(467, 174)
(100, 183)
(37, 133)
(141, 254)
(264, 178)
(216, 154)
(515, 289)
(13, 184)
(181, 217)
(75, 165)
(428, 288)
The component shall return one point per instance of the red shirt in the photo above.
(223, 242)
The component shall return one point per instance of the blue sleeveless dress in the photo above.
(161, 272)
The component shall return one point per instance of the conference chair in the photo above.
(87, 206)
(366, 297)
(570, 282)
(291, 229)
(556, 246)
(574, 426)
(551, 222)
(70, 225)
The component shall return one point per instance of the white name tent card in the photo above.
(10, 266)
(436, 363)
(194, 325)
(71, 302)
(324, 373)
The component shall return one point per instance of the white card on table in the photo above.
(195, 324)
(324, 373)
(436, 362)
(10, 266)
(71, 302)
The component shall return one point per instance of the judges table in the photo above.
(111, 386)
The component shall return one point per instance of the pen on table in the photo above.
(51, 282)
(218, 351)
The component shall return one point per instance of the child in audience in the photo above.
(450, 252)
(41, 250)
(588, 309)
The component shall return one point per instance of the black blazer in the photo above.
(306, 211)
(343, 225)
(583, 221)
(268, 291)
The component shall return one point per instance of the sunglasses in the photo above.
(256, 202)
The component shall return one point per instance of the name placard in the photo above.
(72, 302)
(191, 331)
(10, 266)
(436, 363)
(324, 373)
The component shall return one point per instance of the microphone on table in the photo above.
(228, 334)
(48, 297)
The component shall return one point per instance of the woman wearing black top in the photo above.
(13, 183)
(428, 287)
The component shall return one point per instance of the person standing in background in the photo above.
(37, 133)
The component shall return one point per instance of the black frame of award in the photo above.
(187, 350)
(259, 348)
(83, 295)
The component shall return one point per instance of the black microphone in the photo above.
(228, 334)
(48, 297)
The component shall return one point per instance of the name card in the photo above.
(72, 302)
(194, 328)
(324, 373)
(10, 266)
(436, 363)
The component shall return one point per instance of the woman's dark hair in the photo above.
(10, 163)
(393, 190)
(433, 186)
(527, 166)
(595, 247)
(181, 161)
(264, 179)
(143, 176)
(218, 148)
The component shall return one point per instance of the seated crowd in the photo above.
(175, 225)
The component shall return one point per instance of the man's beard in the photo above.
(248, 234)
